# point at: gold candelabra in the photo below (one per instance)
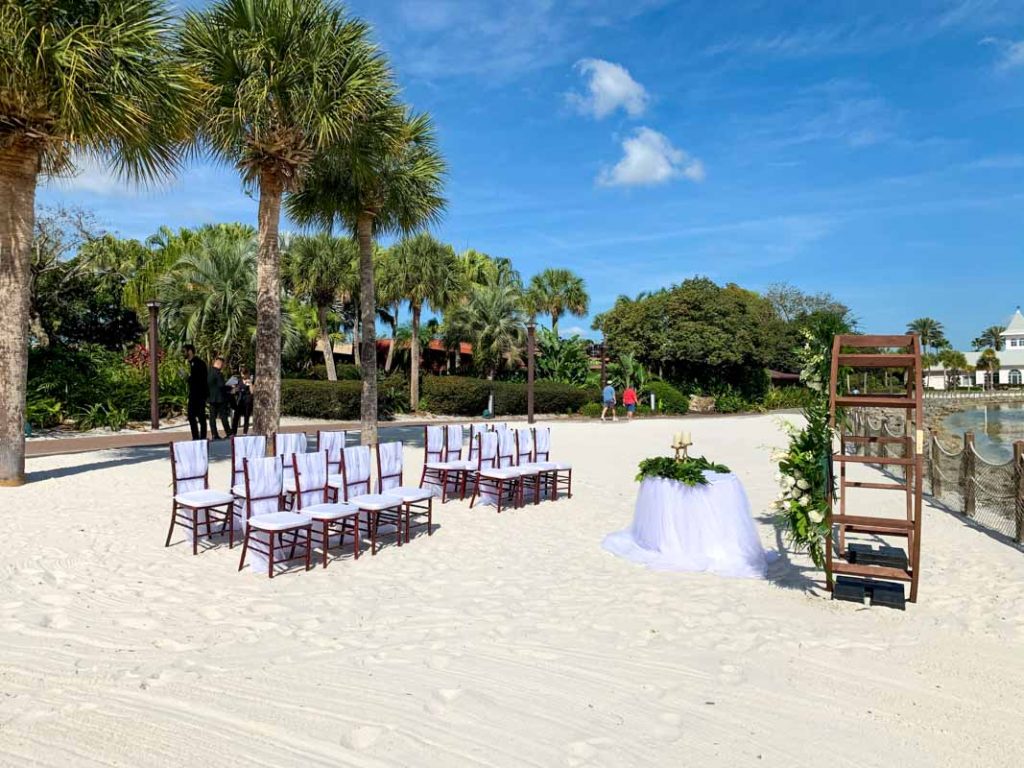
(681, 443)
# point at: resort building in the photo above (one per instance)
(1011, 362)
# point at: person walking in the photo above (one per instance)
(608, 396)
(629, 400)
(218, 399)
(198, 390)
(242, 391)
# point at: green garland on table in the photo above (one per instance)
(687, 471)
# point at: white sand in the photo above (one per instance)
(509, 640)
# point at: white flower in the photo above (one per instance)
(816, 515)
(802, 484)
(790, 482)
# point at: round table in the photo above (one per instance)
(700, 528)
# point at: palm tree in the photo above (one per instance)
(955, 364)
(423, 272)
(988, 361)
(493, 320)
(284, 79)
(990, 338)
(318, 267)
(930, 332)
(387, 179)
(557, 292)
(76, 79)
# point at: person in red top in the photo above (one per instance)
(629, 400)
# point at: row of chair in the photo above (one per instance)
(296, 499)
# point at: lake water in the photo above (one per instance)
(995, 428)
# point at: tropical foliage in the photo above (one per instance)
(557, 292)
(689, 471)
(930, 331)
(563, 360)
(990, 338)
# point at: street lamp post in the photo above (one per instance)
(531, 345)
(154, 372)
(604, 370)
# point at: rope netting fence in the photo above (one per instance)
(960, 480)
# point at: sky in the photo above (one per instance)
(874, 150)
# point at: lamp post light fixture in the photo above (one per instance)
(154, 371)
(531, 346)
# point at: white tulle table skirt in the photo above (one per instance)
(703, 528)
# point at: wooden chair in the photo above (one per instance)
(264, 498)
(560, 472)
(243, 447)
(354, 488)
(285, 445)
(312, 499)
(488, 478)
(191, 494)
(419, 502)
(333, 443)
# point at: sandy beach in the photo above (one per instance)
(509, 640)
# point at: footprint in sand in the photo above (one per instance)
(362, 737)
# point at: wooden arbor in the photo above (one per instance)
(878, 567)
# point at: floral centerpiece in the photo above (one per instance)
(689, 471)
(805, 468)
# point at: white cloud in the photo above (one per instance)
(1011, 52)
(609, 87)
(96, 178)
(648, 159)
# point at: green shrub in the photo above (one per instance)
(336, 400)
(345, 371)
(787, 397)
(667, 398)
(734, 402)
(464, 396)
(103, 415)
(591, 410)
(454, 395)
(548, 397)
(42, 411)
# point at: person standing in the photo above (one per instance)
(608, 396)
(243, 400)
(218, 399)
(198, 390)
(629, 400)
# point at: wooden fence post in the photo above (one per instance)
(967, 474)
(1018, 477)
(934, 478)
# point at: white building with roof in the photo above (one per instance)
(1011, 361)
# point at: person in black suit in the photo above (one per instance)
(198, 390)
(218, 399)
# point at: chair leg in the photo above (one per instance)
(430, 516)
(374, 520)
(245, 548)
(476, 489)
(309, 547)
(231, 525)
(355, 545)
(270, 565)
(326, 540)
(174, 516)
(569, 487)
(501, 493)
(195, 531)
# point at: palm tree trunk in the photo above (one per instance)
(390, 361)
(554, 323)
(355, 343)
(267, 385)
(18, 173)
(368, 343)
(414, 358)
(325, 339)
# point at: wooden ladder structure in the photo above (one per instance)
(868, 352)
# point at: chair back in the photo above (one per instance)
(264, 485)
(331, 443)
(433, 444)
(285, 444)
(311, 471)
(245, 447)
(542, 443)
(499, 427)
(506, 447)
(453, 442)
(475, 430)
(487, 450)
(355, 471)
(389, 466)
(524, 446)
(190, 466)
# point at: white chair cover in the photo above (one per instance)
(265, 477)
(245, 447)
(285, 444)
(357, 471)
(434, 448)
(474, 431)
(390, 457)
(332, 443)
(453, 442)
(311, 478)
(488, 443)
(542, 443)
(191, 463)
(524, 446)
(506, 448)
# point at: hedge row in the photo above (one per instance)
(338, 400)
(463, 396)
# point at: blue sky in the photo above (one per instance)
(874, 150)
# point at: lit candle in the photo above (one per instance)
(686, 439)
(677, 439)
